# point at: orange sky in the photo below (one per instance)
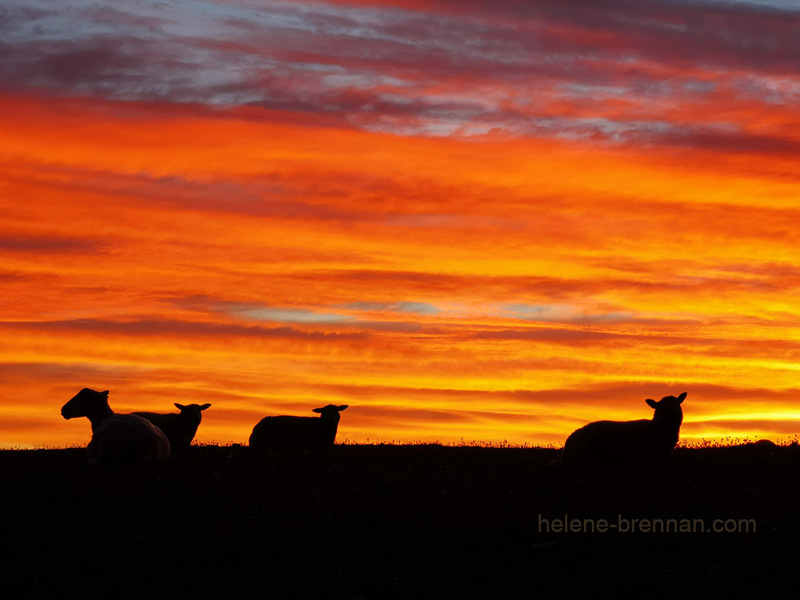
(504, 274)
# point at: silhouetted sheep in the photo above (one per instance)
(298, 432)
(758, 450)
(766, 445)
(628, 441)
(180, 428)
(116, 439)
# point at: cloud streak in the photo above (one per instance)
(562, 70)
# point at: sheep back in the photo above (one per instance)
(291, 432)
(124, 440)
(616, 441)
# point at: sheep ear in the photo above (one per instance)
(316, 410)
(682, 397)
(652, 403)
(104, 394)
(179, 406)
(204, 406)
(342, 407)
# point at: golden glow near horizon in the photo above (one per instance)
(456, 256)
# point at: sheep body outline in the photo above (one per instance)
(628, 441)
(117, 439)
(284, 431)
(180, 428)
(124, 440)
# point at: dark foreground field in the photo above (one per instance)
(399, 522)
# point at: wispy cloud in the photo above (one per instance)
(562, 70)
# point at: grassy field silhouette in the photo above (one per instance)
(398, 521)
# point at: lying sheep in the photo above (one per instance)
(298, 432)
(758, 450)
(628, 441)
(180, 428)
(116, 439)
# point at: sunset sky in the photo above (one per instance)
(467, 220)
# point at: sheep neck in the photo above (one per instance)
(99, 415)
(668, 421)
(668, 426)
